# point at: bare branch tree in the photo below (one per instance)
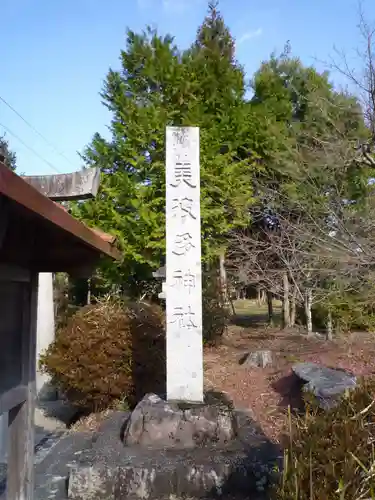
(320, 241)
(363, 79)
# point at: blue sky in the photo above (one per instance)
(56, 54)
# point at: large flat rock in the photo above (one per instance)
(327, 384)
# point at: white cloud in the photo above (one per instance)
(249, 35)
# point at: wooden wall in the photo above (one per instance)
(18, 309)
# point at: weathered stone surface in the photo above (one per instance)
(111, 430)
(257, 359)
(98, 466)
(244, 466)
(75, 186)
(53, 462)
(157, 423)
(92, 481)
(327, 384)
(54, 457)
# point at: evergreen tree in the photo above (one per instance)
(311, 185)
(232, 136)
(159, 86)
(9, 157)
(309, 116)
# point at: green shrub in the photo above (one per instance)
(330, 454)
(349, 312)
(215, 314)
(64, 308)
(98, 355)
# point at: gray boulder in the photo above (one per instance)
(327, 384)
(157, 423)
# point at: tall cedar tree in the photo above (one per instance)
(228, 159)
(158, 86)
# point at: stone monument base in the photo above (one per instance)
(160, 424)
(164, 450)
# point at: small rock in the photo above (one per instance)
(257, 359)
(327, 384)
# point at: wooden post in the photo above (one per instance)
(20, 482)
(329, 325)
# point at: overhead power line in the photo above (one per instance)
(47, 141)
(29, 148)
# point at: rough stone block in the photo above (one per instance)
(92, 482)
(157, 423)
(243, 466)
(327, 384)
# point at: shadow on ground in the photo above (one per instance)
(58, 414)
(254, 320)
(289, 387)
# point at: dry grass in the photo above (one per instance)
(91, 422)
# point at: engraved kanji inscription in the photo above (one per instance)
(182, 207)
(182, 172)
(184, 279)
(182, 244)
(181, 137)
(184, 317)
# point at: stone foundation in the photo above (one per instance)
(229, 455)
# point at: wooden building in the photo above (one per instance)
(36, 235)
